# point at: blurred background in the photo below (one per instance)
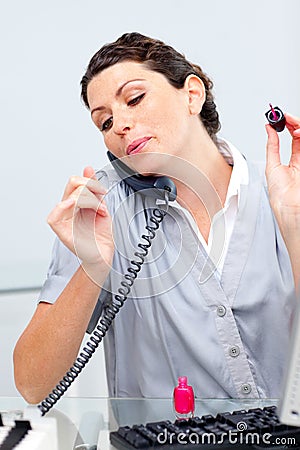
(249, 49)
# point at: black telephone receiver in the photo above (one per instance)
(156, 187)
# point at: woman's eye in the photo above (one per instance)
(107, 124)
(135, 100)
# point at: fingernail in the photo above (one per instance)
(103, 209)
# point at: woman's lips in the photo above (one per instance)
(137, 145)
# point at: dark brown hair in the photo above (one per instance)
(159, 57)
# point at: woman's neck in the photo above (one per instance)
(202, 183)
(204, 175)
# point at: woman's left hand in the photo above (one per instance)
(284, 188)
(284, 181)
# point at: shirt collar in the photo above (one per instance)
(240, 174)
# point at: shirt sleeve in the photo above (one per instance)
(62, 267)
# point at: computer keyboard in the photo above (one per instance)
(257, 428)
(23, 434)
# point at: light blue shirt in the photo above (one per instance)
(228, 334)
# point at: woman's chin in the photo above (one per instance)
(149, 164)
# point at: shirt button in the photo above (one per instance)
(246, 388)
(234, 351)
(221, 310)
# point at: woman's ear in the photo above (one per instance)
(195, 90)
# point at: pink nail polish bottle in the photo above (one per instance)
(183, 399)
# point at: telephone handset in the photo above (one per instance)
(157, 187)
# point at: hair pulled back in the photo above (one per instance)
(159, 57)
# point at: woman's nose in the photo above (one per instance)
(122, 123)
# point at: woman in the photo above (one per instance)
(213, 299)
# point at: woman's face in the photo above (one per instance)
(140, 114)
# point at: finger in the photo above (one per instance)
(85, 199)
(292, 121)
(81, 198)
(292, 124)
(62, 211)
(273, 156)
(89, 172)
(92, 184)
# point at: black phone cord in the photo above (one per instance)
(109, 314)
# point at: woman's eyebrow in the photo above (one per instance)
(118, 93)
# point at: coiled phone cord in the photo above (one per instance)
(109, 313)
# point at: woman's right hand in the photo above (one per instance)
(82, 222)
